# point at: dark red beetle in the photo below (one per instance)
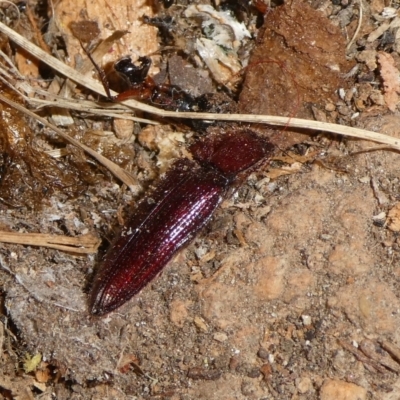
(170, 216)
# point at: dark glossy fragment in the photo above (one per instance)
(180, 206)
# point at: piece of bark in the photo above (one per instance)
(298, 62)
(117, 15)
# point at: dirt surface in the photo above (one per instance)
(293, 289)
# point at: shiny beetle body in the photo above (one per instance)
(175, 211)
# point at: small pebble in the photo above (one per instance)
(365, 179)
(200, 323)
(330, 107)
(306, 320)
(304, 385)
(262, 353)
(220, 336)
(334, 389)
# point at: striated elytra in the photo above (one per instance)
(179, 206)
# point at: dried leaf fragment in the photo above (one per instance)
(390, 77)
(223, 37)
(220, 25)
(85, 31)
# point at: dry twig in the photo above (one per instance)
(85, 244)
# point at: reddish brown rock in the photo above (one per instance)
(300, 53)
(333, 389)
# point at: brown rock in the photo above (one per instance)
(304, 385)
(339, 390)
(301, 53)
(266, 370)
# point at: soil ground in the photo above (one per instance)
(292, 291)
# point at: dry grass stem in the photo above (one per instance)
(112, 110)
(360, 18)
(116, 170)
(85, 244)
